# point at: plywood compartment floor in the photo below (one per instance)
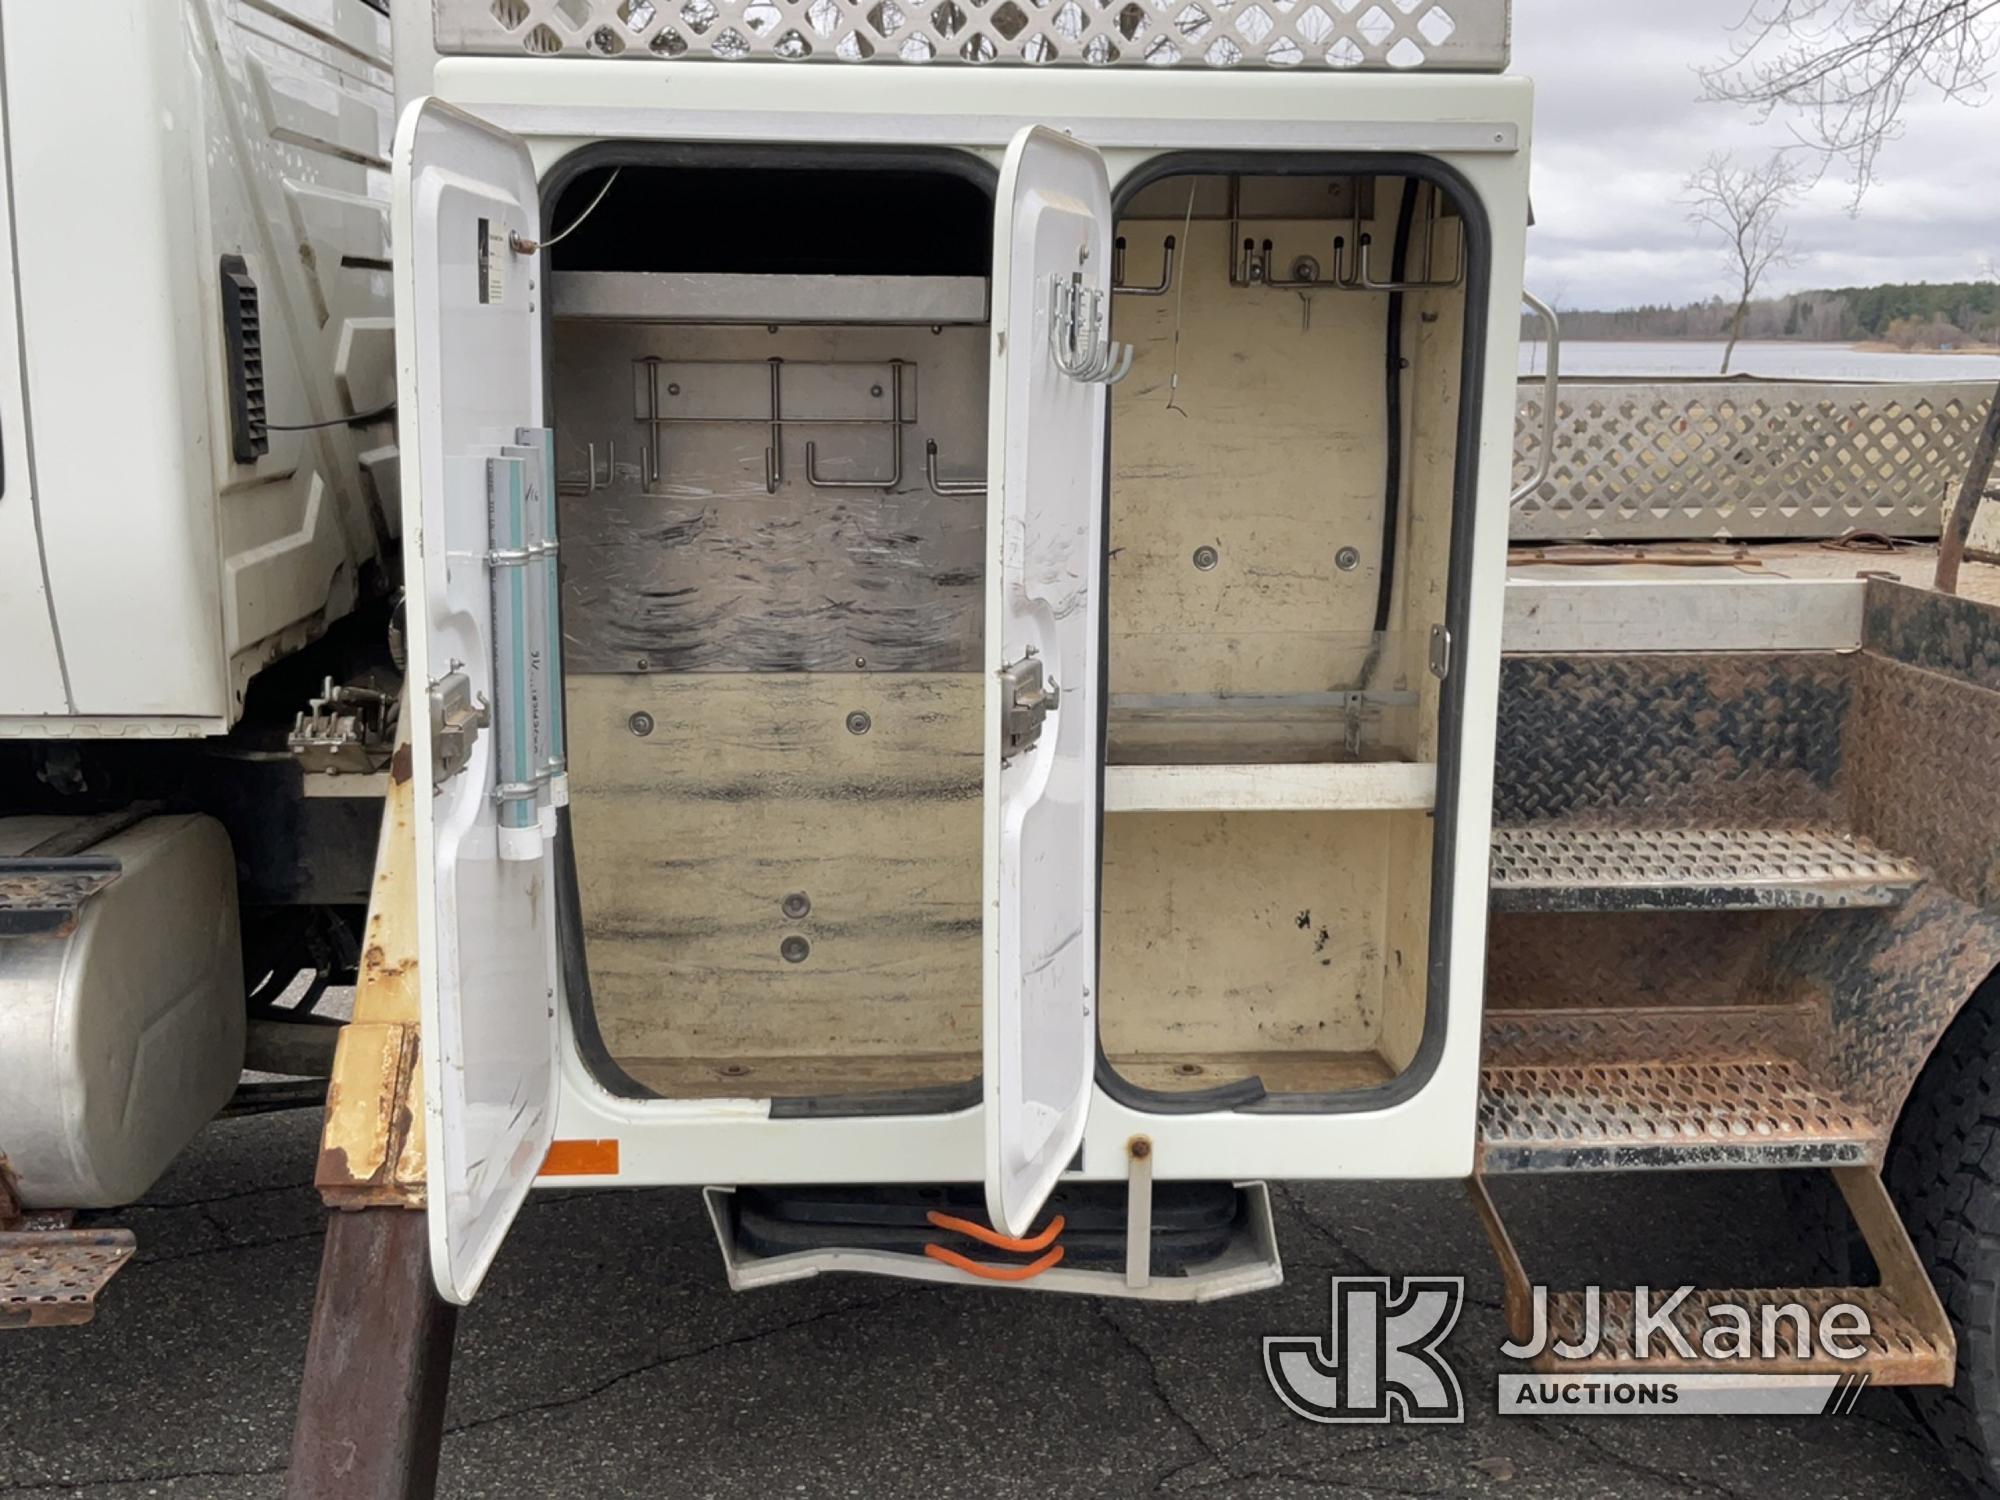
(1252, 944)
(1280, 1072)
(749, 788)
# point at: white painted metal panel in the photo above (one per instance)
(118, 390)
(33, 681)
(1729, 613)
(207, 128)
(469, 378)
(1045, 518)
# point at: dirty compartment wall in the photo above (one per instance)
(775, 708)
(1288, 946)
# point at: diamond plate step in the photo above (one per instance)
(1541, 868)
(51, 1277)
(1695, 1087)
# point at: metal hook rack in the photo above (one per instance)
(1433, 212)
(897, 421)
(946, 487)
(1158, 288)
(1080, 333)
(651, 461)
(590, 484)
(1250, 262)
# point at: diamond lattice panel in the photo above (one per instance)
(1638, 461)
(1458, 35)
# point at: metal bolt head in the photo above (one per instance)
(1206, 558)
(640, 723)
(874, 390)
(1347, 559)
(793, 950)
(673, 387)
(858, 722)
(1305, 268)
(796, 905)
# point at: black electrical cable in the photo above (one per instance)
(356, 420)
(1392, 479)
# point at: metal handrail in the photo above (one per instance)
(1549, 392)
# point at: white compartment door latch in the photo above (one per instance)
(1027, 696)
(456, 719)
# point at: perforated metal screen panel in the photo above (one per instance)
(1454, 35)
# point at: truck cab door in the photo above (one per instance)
(1045, 531)
(484, 672)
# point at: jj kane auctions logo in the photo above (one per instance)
(1382, 1359)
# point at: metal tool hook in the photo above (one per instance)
(947, 487)
(1159, 288)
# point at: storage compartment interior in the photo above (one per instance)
(769, 387)
(1282, 484)
(772, 619)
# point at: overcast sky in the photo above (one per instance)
(1618, 126)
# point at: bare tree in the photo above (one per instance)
(1746, 207)
(1845, 70)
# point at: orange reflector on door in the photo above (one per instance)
(581, 1159)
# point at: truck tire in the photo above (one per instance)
(1944, 1174)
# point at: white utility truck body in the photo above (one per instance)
(948, 685)
(512, 1062)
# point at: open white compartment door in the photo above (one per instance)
(478, 563)
(1044, 525)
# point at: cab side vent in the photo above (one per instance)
(243, 341)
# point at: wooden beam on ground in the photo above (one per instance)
(371, 1404)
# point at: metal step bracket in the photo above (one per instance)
(1909, 1340)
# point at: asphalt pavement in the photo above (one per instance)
(606, 1357)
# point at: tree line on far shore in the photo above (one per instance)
(1910, 315)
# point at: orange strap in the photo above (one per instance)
(993, 1237)
(1032, 1269)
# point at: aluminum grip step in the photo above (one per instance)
(1690, 1087)
(1540, 868)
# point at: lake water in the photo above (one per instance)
(1772, 360)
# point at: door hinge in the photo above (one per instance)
(456, 719)
(1440, 652)
(1026, 698)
